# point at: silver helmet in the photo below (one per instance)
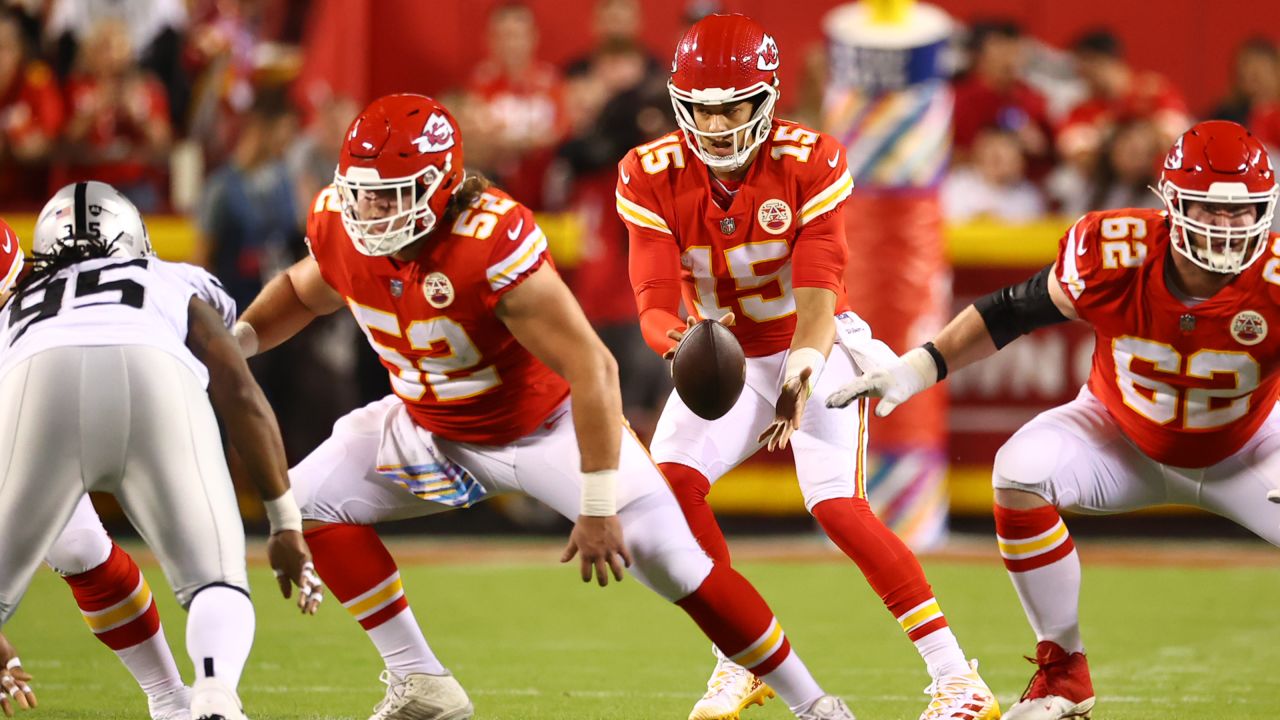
(91, 212)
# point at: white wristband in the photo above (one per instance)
(283, 513)
(247, 338)
(801, 358)
(599, 493)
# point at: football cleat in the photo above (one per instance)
(172, 705)
(963, 696)
(1060, 689)
(731, 689)
(827, 707)
(211, 699)
(418, 696)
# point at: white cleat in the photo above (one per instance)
(211, 699)
(827, 707)
(964, 696)
(172, 705)
(418, 696)
(731, 689)
(1051, 707)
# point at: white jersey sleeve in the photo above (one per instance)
(206, 285)
(110, 301)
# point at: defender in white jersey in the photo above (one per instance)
(105, 356)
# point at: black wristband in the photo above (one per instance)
(939, 361)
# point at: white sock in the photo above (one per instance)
(151, 664)
(942, 654)
(403, 648)
(794, 684)
(1050, 596)
(220, 626)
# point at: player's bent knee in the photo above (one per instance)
(665, 556)
(79, 550)
(1029, 461)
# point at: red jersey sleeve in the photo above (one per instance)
(518, 247)
(820, 252)
(1099, 252)
(653, 255)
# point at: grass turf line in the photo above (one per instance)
(530, 641)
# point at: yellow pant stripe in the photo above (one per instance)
(379, 597)
(762, 649)
(921, 615)
(1017, 549)
(121, 613)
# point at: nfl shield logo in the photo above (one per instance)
(1187, 323)
(728, 225)
(397, 288)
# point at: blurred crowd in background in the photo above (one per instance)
(188, 106)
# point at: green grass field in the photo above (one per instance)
(529, 640)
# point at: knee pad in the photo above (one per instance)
(79, 550)
(1031, 459)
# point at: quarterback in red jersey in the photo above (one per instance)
(452, 284)
(1180, 406)
(741, 213)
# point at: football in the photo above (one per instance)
(709, 369)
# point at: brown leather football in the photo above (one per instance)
(709, 369)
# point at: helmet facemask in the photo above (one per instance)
(411, 217)
(745, 137)
(1237, 247)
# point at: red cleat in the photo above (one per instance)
(1060, 689)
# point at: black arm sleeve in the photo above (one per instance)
(1018, 309)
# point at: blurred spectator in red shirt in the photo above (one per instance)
(119, 129)
(512, 113)
(993, 94)
(31, 116)
(156, 31)
(994, 184)
(1117, 94)
(624, 103)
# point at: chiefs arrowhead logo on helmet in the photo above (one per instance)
(1173, 161)
(767, 55)
(437, 135)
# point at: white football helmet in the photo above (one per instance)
(91, 212)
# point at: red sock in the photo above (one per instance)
(887, 563)
(690, 488)
(734, 616)
(116, 601)
(355, 565)
(1031, 539)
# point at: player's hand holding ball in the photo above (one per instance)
(893, 383)
(15, 687)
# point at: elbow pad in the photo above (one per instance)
(1018, 309)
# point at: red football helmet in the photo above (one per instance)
(409, 144)
(10, 258)
(725, 59)
(1219, 162)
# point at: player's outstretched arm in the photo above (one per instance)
(287, 304)
(251, 427)
(545, 318)
(15, 683)
(977, 332)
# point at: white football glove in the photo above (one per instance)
(893, 382)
